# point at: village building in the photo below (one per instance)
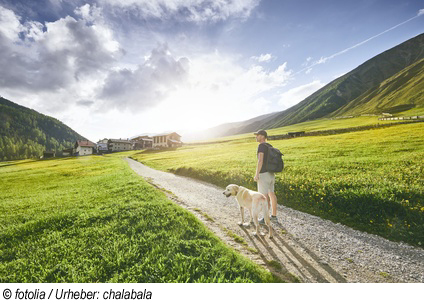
(296, 134)
(67, 152)
(143, 142)
(167, 140)
(48, 154)
(83, 148)
(119, 145)
(102, 146)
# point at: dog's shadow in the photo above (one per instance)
(254, 239)
(287, 250)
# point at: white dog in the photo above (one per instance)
(253, 201)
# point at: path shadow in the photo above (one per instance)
(337, 276)
(286, 249)
(312, 270)
(283, 270)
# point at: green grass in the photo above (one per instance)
(370, 180)
(237, 238)
(309, 126)
(385, 274)
(92, 219)
(402, 92)
(208, 218)
(274, 264)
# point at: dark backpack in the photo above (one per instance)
(275, 163)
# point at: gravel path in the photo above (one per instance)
(305, 247)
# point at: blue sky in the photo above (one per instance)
(110, 68)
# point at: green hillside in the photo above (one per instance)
(353, 84)
(25, 133)
(401, 92)
(390, 81)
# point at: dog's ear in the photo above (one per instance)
(235, 188)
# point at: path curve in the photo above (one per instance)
(308, 247)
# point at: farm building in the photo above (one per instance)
(48, 154)
(143, 142)
(119, 145)
(167, 140)
(102, 146)
(83, 148)
(296, 134)
(67, 152)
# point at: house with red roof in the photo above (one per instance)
(83, 148)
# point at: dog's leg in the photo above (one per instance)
(267, 220)
(242, 216)
(251, 217)
(255, 212)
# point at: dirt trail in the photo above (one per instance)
(305, 247)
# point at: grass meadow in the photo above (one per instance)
(369, 180)
(92, 219)
(309, 126)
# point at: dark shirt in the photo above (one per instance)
(263, 148)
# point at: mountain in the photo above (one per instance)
(25, 133)
(233, 128)
(401, 92)
(389, 82)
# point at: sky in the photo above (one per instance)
(121, 68)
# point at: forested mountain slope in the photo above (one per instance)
(25, 133)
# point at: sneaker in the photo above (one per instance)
(262, 221)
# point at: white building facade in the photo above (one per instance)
(167, 140)
(84, 148)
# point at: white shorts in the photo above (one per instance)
(266, 183)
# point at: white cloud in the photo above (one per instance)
(147, 85)
(298, 94)
(71, 67)
(421, 12)
(51, 62)
(187, 10)
(263, 58)
(261, 105)
(89, 12)
(10, 24)
(219, 90)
